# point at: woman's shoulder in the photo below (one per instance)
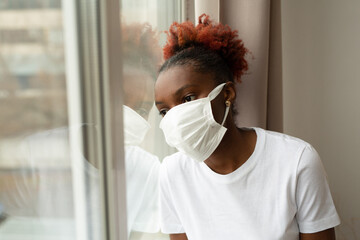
(287, 152)
(284, 147)
(178, 162)
(281, 139)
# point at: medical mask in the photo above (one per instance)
(191, 128)
(135, 127)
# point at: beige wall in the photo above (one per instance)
(321, 93)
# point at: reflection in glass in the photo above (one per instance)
(141, 56)
(141, 26)
(37, 183)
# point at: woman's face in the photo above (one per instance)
(181, 84)
(138, 91)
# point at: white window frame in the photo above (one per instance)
(92, 37)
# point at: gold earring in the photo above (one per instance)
(227, 103)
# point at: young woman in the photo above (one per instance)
(228, 182)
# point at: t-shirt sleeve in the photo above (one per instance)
(169, 220)
(315, 207)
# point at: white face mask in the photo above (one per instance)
(191, 128)
(135, 127)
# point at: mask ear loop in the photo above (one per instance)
(227, 103)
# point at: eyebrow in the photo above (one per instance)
(178, 92)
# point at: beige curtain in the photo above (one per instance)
(259, 100)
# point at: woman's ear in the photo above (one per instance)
(230, 92)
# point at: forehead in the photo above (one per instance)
(175, 78)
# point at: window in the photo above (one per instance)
(57, 137)
(142, 29)
(29, 4)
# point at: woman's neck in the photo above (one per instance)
(235, 148)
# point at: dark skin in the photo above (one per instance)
(181, 84)
(178, 85)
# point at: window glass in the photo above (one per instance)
(44, 192)
(37, 199)
(143, 24)
(29, 4)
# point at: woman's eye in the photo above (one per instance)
(189, 98)
(163, 112)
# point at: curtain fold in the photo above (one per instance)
(275, 81)
(259, 96)
(251, 19)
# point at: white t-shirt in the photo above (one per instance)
(142, 172)
(280, 190)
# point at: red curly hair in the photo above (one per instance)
(213, 36)
(140, 47)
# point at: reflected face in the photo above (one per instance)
(181, 84)
(138, 92)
